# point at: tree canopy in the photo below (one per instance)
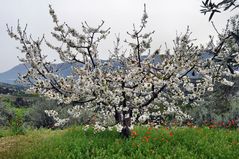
(131, 86)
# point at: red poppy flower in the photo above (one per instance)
(171, 134)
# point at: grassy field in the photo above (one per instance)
(144, 143)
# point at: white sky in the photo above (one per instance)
(165, 17)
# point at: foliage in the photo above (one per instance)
(14, 116)
(147, 143)
(20, 102)
(220, 106)
(205, 118)
(5, 115)
(234, 23)
(222, 5)
(17, 123)
(36, 116)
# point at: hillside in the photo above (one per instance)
(6, 88)
(11, 76)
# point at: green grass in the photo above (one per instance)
(4, 131)
(145, 143)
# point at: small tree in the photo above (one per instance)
(220, 101)
(129, 84)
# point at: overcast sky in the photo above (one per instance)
(165, 17)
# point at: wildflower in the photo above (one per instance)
(146, 138)
(148, 132)
(134, 134)
(171, 134)
(155, 139)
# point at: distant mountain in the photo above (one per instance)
(11, 75)
(65, 69)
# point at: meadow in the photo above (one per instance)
(20, 139)
(145, 142)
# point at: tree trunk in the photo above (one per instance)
(126, 122)
(125, 132)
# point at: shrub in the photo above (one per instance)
(36, 116)
(209, 115)
(20, 102)
(5, 115)
(17, 127)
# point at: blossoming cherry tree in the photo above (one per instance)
(131, 86)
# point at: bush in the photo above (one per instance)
(37, 117)
(17, 123)
(209, 115)
(20, 102)
(5, 115)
